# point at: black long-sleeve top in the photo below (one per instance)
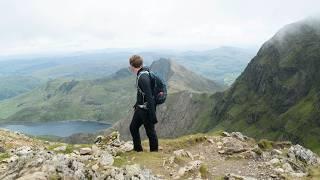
(144, 83)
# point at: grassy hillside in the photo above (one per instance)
(62, 99)
(11, 86)
(106, 99)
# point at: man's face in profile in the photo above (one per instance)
(130, 69)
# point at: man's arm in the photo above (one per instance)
(145, 85)
(136, 103)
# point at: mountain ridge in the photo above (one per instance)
(276, 96)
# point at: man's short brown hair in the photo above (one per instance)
(136, 61)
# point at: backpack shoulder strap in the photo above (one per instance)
(137, 85)
(142, 72)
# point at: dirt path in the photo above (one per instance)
(218, 157)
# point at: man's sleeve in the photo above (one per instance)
(145, 85)
(136, 103)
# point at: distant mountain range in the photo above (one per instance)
(222, 65)
(105, 99)
(96, 64)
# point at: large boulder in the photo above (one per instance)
(23, 151)
(85, 151)
(232, 145)
(106, 159)
(297, 152)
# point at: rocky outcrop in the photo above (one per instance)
(95, 162)
(297, 152)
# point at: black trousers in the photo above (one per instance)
(141, 117)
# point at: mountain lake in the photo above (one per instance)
(57, 128)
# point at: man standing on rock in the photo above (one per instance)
(145, 106)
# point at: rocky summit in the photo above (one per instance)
(219, 155)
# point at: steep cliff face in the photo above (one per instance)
(277, 96)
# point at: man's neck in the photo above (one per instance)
(138, 70)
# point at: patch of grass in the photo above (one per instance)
(217, 132)
(218, 177)
(84, 145)
(51, 147)
(69, 148)
(182, 142)
(151, 160)
(204, 171)
(234, 157)
(257, 151)
(119, 161)
(54, 177)
(4, 156)
(46, 137)
(265, 144)
(314, 173)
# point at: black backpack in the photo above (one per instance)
(158, 87)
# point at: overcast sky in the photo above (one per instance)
(37, 26)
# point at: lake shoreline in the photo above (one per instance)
(56, 128)
(71, 120)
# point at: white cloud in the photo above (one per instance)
(50, 25)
